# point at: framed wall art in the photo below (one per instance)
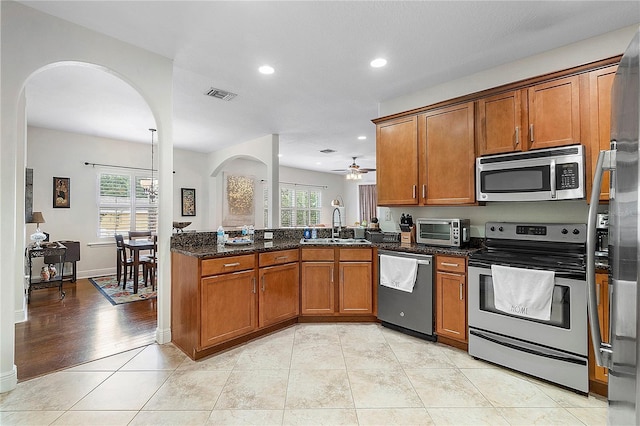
(61, 192)
(238, 202)
(188, 201)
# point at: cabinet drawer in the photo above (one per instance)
(278, 257)
(318, 254)
(227, 264)
(362, 254)
(451, 264)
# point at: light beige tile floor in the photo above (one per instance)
(308, 374)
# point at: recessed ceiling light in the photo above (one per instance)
(266, 69)
(378, 62)
(318, 163)
(362, 138)
(279, 155)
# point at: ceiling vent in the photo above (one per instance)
(221, 94)
(328, 151)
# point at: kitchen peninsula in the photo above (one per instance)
(224, 296)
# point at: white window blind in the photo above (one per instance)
(299, 206)
(121, 209)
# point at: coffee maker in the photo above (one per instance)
(602, 238)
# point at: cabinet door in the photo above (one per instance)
(228, 307)
(554, 113)
(600, 84)
(356, 288)
(602, 292)
(451, 319)
(397, 162)
(317, 288)
(279, 293)
(450, 156)
(501, 125)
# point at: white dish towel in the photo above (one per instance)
(523, 292)
(398, 272)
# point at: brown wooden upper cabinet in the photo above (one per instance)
(501, 123)
(447, 155)
(600, 84)
(397, 162)
(554, 113)
(541, 116)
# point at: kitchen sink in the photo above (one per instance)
(334, 241)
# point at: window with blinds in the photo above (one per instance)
(123, 205)
(299, 206)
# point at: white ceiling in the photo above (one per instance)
(323, 93)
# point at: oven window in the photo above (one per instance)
(560, 304)
(525, 179)
(434, 231)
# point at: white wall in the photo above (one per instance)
(32, 41)
(601, 47)
(55, 153)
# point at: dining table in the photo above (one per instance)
(135, 246)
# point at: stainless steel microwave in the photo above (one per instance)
(442, 232)
(544, 174)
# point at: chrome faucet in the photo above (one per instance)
(334, 232)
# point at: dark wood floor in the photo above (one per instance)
(82, 327)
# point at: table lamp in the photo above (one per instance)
(38, 236)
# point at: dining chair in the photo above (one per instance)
(150, 265)
(122, 261)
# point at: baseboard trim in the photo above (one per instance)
(9, 380)
(163, 335)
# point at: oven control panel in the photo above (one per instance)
(561, 232)
(531, 230)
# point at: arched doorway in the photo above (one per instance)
(79, 113)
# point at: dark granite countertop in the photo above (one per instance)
(212, 250)
(203, 246)
(424, 249)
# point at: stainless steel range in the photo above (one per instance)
(551, 347)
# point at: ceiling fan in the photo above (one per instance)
(354, 168)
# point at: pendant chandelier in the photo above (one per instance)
(150, 186)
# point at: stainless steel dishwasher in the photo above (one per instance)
(411, 313)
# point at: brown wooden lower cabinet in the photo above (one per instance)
(599, 376)
(222, 301)
(318, 295)
(355, 288)
(451, 297)
(279, 297)
(228, 306)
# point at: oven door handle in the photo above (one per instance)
(602, 351)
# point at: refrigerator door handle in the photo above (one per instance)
(602, 351)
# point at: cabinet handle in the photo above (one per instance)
(415, 187)
(281, 257)
(332, 275)
(228, 265)
(424, 191)
(342, 276)
(254, 284)
(598, 294)
(461, 288)
(517, 135)
(531, 133)
(263, 283)
(455, 265)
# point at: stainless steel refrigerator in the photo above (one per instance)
(620, 356)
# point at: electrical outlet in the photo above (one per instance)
(387, 216)
(268, 235)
